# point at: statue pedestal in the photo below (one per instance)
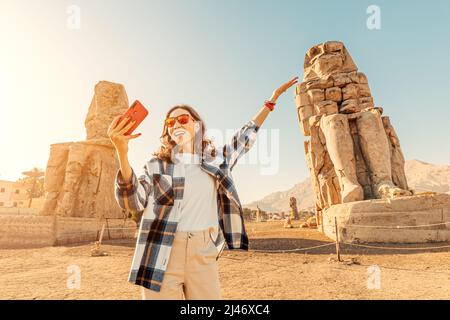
(412, 219)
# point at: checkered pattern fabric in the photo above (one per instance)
(158, 191)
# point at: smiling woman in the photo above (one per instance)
(182, 127)
(191, 208)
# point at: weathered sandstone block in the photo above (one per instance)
(79, 178)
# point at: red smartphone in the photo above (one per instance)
(136, 112)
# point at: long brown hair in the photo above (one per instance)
(167, 144)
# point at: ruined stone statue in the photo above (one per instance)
(293, 206)
(258, 214)
(80, 174)
(353, 152)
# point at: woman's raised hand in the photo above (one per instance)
(278, 92)
(116, 133)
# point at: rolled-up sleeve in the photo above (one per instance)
(240, 143)
(133, 195)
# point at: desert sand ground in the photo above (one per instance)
(43, 273)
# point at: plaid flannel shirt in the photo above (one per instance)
(158, 191)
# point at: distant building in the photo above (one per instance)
(10, 194)
(13, 194)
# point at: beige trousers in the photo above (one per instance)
(192, 272)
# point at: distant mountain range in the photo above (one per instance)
(421, 177)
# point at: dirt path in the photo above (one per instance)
(44, 273)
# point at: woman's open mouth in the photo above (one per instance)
(178, 132)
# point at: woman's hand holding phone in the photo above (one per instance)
(116, 133)
(121, 129)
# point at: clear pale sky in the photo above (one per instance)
(222, 57)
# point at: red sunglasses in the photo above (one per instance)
(182, 119)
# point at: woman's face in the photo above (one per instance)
(182, 133)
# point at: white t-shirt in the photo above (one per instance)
(199, 203)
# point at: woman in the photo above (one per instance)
(191, 207)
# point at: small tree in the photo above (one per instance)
(34, 180)
(247, 213)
